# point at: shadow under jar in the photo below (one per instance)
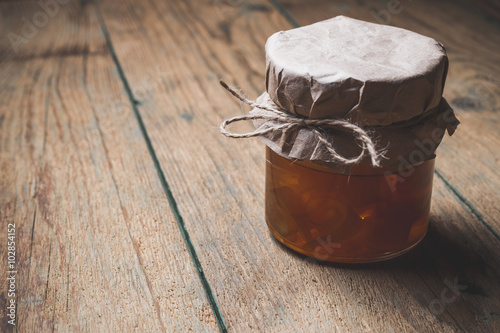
(369, 215)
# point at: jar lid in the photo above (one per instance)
(366, 73)
(342, 92)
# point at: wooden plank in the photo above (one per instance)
(48, 29)
(98, 248)
(218, 184)
(470, 159)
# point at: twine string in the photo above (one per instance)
(284, 121)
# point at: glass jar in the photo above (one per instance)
(367, 215)
(352, 116)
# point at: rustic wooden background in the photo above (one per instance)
(132, 212)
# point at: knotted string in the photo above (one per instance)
(286, 121)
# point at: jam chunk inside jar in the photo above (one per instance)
(366, 215)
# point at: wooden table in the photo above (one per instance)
(133, 213)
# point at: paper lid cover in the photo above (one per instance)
(369, 74)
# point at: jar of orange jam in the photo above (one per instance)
(364, 216)
(352, 116)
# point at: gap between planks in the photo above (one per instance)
(166, 187)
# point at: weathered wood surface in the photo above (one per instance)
(218, 186)
(99, 246)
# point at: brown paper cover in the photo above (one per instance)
(379, 77)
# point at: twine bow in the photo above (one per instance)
(286, 121)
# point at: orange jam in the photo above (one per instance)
(370, 214)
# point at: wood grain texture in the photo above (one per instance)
(218, 184)
(98, 248)
(470, 160)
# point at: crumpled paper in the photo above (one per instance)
(375, 76)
